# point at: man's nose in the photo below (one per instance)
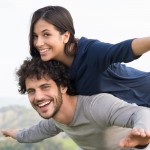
(39, 95)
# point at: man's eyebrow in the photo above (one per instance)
(45, 84)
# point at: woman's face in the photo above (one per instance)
(49, 41)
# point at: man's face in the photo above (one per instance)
(44, 95)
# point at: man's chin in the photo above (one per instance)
(45, 116)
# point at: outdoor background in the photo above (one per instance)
(109, 21)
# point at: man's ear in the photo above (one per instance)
(66, 37)
(63, 89)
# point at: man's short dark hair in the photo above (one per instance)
(35, 67)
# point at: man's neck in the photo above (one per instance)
(67, 110)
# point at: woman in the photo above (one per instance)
(95, 66)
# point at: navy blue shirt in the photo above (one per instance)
(97, 68)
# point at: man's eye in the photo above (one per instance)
(46, 87)
(30, 92)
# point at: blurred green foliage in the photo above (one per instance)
(13, 117)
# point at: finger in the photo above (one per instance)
(5, 133)
(124, 142)
(147, 132)
(135, 131)
(141, 132)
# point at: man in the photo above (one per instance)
(86, 119)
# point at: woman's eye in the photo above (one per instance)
(34, 36)
(46, 34)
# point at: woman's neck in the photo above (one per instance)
(67, 61)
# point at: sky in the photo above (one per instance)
(108, 21)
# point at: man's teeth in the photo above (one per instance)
(43, 104)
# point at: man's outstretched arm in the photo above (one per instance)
(137, 137)
(43, 130)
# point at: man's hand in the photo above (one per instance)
(136, 137)
(9, 133)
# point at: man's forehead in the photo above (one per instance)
(36, 77)
(34, 80)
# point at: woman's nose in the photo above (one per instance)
(39, 42)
